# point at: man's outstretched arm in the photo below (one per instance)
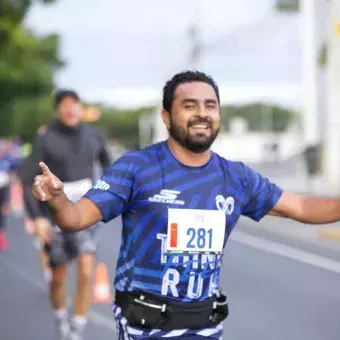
(67, 215)
(307, 209)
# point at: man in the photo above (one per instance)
(71, 148)
(179, 202)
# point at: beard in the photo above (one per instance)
(196, 143)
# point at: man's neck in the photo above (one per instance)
(187, 157)
(68, 129)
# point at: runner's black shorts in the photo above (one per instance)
(65, 246)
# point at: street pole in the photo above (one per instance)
(332, 138)
(195, 36)
(310, 93)
(194, 63)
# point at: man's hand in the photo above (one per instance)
(43, 229)
(46, 186)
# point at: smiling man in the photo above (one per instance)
(179, 202)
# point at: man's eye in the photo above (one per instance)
(188, 107)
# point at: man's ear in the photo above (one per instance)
(166, 118)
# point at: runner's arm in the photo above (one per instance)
(76, 216)
(307, 209)
(104, 155)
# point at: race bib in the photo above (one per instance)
(77, 189)
(195, 231)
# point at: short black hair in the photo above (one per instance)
(181, 78)
(60, 94)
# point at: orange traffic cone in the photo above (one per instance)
(101, 288)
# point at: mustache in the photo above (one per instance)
(198, 121)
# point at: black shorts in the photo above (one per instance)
(65, 247)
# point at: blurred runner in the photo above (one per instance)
(9, 161)
(71, 148)
(4, 190)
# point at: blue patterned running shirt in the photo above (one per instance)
(143, 185)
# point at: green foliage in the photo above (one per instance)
(122, 125)
(260, 117)
(29, 114)
(287, 5)
(16, 10)
(27, 65)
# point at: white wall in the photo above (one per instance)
(242, 145)
(251, 146)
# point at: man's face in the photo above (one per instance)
(194, 121)
(70, 111)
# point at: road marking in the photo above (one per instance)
(95, 317)
(333, 234)
(286, 251)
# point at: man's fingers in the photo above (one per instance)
(40, 193)
(46, 185)
(47, 172)
(55, 185)
(38, 179)
(45, 169)
(38, 183)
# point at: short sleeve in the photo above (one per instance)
(112, 192)
(260, 195)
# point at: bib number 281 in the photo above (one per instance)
(194, 230)
(199, 238)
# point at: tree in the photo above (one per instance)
(287, 5)
(260, 117)
(122, 125)
(27, 66)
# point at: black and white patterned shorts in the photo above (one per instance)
(65, 247)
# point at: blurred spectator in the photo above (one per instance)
(10, 158)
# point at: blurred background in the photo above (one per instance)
(274, 60)
(277, 63)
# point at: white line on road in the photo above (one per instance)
(96, 317)
(286, 251)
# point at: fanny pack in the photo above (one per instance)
(148, 311)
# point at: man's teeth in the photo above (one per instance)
(200, 126)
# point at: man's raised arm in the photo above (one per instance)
(67, 215)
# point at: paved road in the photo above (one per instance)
(275, 292)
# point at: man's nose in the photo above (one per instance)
(202, 111)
